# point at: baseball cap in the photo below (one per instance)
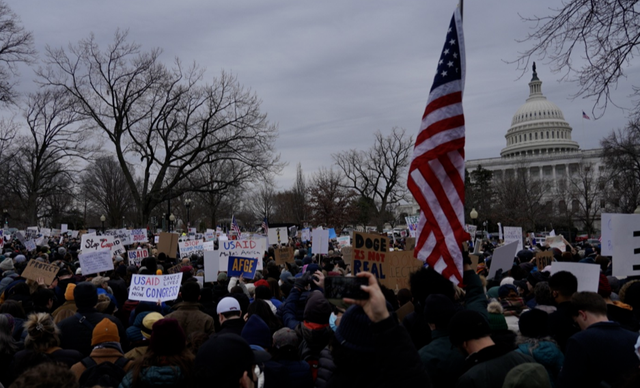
(285, 337)
(228, 304)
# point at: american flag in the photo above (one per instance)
(584, 116)
(234, 226)
(436, 175)
(265, 226)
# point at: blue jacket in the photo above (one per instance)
(546, 353)
(156, 376)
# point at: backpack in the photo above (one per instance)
(106, 374)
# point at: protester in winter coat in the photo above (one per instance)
(106, 343)
(69, 304)
(602, 354)
(535, 342)
(188, 313)
(258, 336)
(46, 375)
(527, 375)
(486, 364)
(76, 331)
(8, 348)
(230, 316)
(167, 361)
(139, 348)
(285, 353)
(563, 285)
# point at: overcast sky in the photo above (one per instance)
(330, 73)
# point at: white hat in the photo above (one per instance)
(228, 304)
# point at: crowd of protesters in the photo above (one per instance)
(522, 328)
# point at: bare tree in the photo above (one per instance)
(331, 203)
(162, 119)
(590, 41)
(378, 174)
(585, 195)
(299, 197)
(260, 202)
(621, 154)
(44, 159)
(16, 47)
(105, 189)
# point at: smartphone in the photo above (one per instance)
(338, 287)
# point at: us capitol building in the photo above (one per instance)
(538, 142)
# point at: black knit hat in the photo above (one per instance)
(467, 325)
(167, 337)
(86, 295)
(256, 332)
(354, 331)
(533, 323)
(318, 309)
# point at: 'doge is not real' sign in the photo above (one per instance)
(369, 253)
(151, 288)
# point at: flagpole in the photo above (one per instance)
(461, 5)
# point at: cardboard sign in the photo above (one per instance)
(475, 259)
(543, 259)
(626, 239)
(397, 267)
(588, 275)
(135, 256)
(606, 245)
(320, 241)
(278, 235)
(347, 255)
(93, 262)
(37, 269)
(245, 266)
(241, 248)
(139, 236)
(168, 244)
(513, 233)
(410, 244)
(369, 253)
(503, 258)
(175, 269)
(153, 288)
(283, 255)
(191, 247)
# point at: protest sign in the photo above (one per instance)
(556, 242)
(175, 269)
(412, 224)
(241, 248)
(64, 228)
(153, 288)
(344, 241)
(20, 237)
(320, 241)
(191, 247)
(93, 262)
(410, 244)
(332, 233)
(588, 275)
(30, 245)
(305, 235)
(278, 235)
(500, 237)
(117, 246)
(93, 243)
(1, 238)
(121, 234)
(168, 244)
(135, 256)
(211, 265)
(283, 255)
(347, 255)
(503, 258)
(45, 232)
(543, 259)
(369, 252)
(245, 266)
(626, 256)
(606, 245)
(36, 269)
(397, 267)
(472, 231)
(475, 259)
(208, 246)
(74, 234)
(209, 235)
(31, 232)
(139, 236)
(513, 233)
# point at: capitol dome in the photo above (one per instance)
(538, 127)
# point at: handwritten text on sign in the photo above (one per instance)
(245, 266)
(95, 261)
(93, 243)
(136, 256)
(369, 253)
(151, 288)
(139, 236)
(189, 247)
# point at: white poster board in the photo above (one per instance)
(153, 288)
(135, 256)
(556, 242)
(278, 235)
(513, 233)
(64, 228)
(46, 232)
(588, 275)
(320, 241)
(344, 241)
(305, 235)
(503, 258)
(93, 262)
(626, 239)
(139, 236)
(93, 243)
(606, 245)
(211, 265)
(208, 246)
(240, 248)
(190, 247)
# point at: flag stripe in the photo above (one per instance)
(442, 102)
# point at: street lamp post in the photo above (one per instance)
(187, 204)
(172, 218)
(103, 219)
(474, 215)
(123, 224)
(164, 222)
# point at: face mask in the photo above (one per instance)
(332, 321)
